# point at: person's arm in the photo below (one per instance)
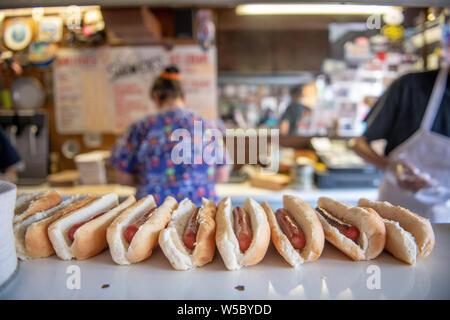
(381, 121)
(9, 158)
(284, 127)
(407, 175)
(125, 178)
(284, 122)
(10, 175)
(365, 151)
(222, 174)
(123, 157)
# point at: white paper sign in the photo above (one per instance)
(106, 89)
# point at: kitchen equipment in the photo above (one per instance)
(8, 258)
(27, 93)
(343, 168)
(28, 133)
(302, 174)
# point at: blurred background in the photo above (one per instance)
(74, 75)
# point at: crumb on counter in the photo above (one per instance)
(240, 288)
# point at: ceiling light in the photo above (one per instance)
(311, 9)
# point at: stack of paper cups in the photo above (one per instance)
(8, 258)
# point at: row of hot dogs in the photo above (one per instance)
(82, 227)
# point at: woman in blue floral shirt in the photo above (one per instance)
(143, 155)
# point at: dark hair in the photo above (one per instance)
(168, 85)
(296, 89)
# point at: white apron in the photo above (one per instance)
(430, 153)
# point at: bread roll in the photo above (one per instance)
(227, 242)
(372, 231)
(408, 235)
(307, 219)
(58, 231)
(146, 238)
(171, 238)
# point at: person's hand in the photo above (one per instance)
(10, 175)
(409, 177)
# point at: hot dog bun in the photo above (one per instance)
(37, 242)
(171, 242)
(308, 221)
(24, 200)
(146, 238)
(35, 203)
(58, 230)
(408, 235)
(90, 238)
(40, 246)
(372, 232)
(227, 242)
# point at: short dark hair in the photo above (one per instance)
(167, 85)
(297, 89)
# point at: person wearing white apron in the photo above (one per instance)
(425, 157)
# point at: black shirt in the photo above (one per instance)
(399, 112)
(293, 114)
(8, 155)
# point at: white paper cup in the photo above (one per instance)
(8, 258)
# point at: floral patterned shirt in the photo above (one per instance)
(145, 150)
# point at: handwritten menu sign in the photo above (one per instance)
(106, 89)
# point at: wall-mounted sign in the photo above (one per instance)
(106, 89)
(50, 29)
(18, 34)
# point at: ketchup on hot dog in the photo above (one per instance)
(190, 232)
(242, 228)
(75, 227)
(291, 229)
(131, 230)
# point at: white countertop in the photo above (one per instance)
(237, 191)
(240, 191)
(332, 276)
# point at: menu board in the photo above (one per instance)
(104, 90)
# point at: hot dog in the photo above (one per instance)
(29, 205)
(131, 230)
(346, 229)
(81, 234)
(291, 229)
(296, 231)
(190, 232)
(75, 227)
(30, 233)
(133, 235)
(188, 240)
(358, 232)
(408, 236)
(242, 235)
(242, 228)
